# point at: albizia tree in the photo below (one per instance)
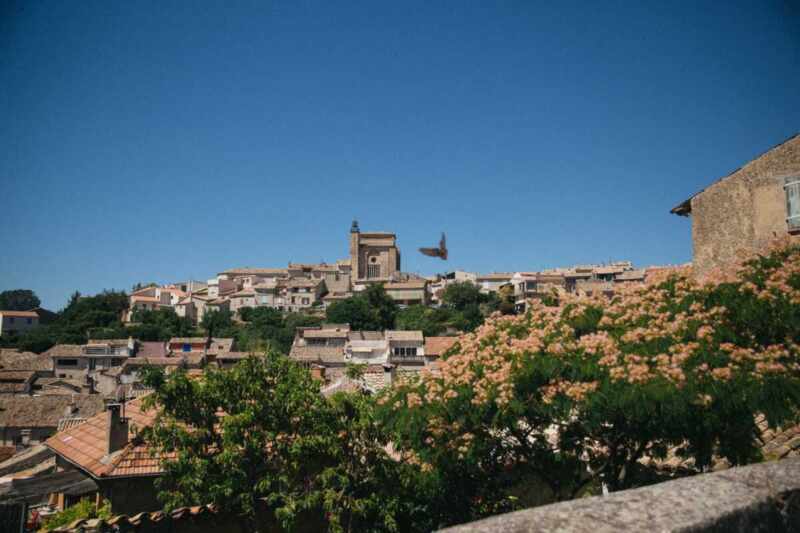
(567, 398)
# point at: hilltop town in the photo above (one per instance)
(70, 412)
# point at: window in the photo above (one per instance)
(305, 301)
(30, 321)
(92, 363)
(187, 348)
(405, 351)
(67, 362)
(373, 271)
(792, 189)
(11, 320)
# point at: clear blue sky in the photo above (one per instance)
(163, 141)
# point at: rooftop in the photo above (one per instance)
(393, 335)
(685, 207)
(45, 411)
(16, 360)
(255, 271)
(321, 354)
(436, 346)
(65, 350)
(19, 314)
(85, 445)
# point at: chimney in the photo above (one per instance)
(388, 374)
(71, 408)
(117, 435)
(318, 372)
(90, 384)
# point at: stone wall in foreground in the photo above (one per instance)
(757, 498)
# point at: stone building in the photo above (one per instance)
(746, 209)
(28, 420)
(374, 256)
(107, 448)
(406, 293)
(17, 321)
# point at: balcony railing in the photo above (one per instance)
(407, 358)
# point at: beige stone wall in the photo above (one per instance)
(373, 249)
(745, 211)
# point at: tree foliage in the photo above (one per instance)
(431, 321)
(83, 509)
(281, 454)
(595, 391)
(19, 300)
(218, 323)
(82, 317)
(372, 310)
(265, 328)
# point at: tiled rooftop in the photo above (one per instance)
(397, 335)
(85, 445)
(436, 346)
(20, 314)
(45, 411)
(321, 354)
(16, 360)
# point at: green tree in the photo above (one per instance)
(265, 327)
(218, 323)
(282, 453)
(382, 305)
(83, 509)
(587, 392)
(371, 309)
(462, 295)
(354, 311)
(430, 321)
(84, 315)
(19, 300)
(159, 325)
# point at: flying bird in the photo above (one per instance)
(440, 252)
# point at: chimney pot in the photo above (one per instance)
(117, 434)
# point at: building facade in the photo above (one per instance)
(374, 256)
(746, 210)
(17, 321)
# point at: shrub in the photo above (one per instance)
(83, 509)
(590, 391)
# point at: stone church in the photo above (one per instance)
(374, 256)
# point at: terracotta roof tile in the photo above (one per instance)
(436, 346)
(65, 350)
(45, 411)
(152, 349)
(398, 335)
(321, 354)
(20, 314)
(366, 336)
(16, 360)
(85, 445)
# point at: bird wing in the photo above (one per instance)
(432, 252)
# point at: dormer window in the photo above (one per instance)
(792, 189)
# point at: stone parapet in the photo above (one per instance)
(757, 498)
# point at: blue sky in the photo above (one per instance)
(165, 140)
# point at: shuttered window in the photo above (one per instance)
(373, 271)
(792, 188)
